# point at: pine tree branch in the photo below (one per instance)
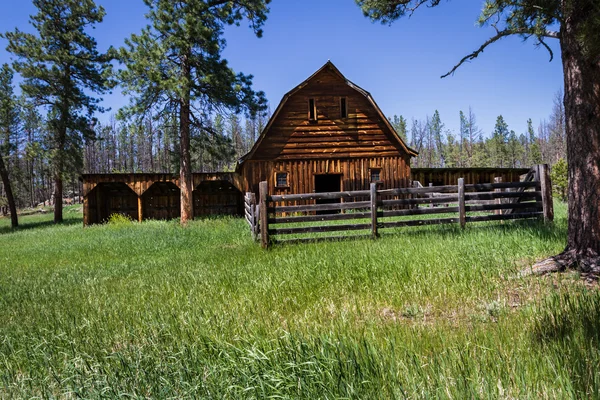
(501, 34)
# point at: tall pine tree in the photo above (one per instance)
(61, 69)
(176, 65)
(9, 121)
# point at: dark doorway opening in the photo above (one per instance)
(328, 183)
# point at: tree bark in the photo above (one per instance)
(185, 174)
(14, 219)
(582, 108)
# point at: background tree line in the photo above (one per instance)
(151, 144)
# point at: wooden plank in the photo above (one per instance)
(417, 211)
(508, 206)
(314, 229)
(461, 203)
(433, 189)
(503, 195)
(320, 207)
(500, 185)
(264, 224)
(312, 218)
(501, 217)
(319, 196)
(432, 200)
(374, 232)
(396, 224)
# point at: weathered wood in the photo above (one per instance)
(500, 217)
(500, 185)
(313, 218)
(397, 224)
(374, 232)
(433, 189)
(140, 208)
(461, 203)
(417, 211)
(546, 189)
(502, 195)
(516, 206)
(320, 207)
(320, 196)
(432, 200)
(322, 228)
(264, 225)
(498, 180)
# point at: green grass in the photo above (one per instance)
(156, 310)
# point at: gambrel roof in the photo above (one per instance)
(330, 67)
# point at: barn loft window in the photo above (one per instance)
(312, 110)
(375, 174)
(281, 179)
(343, 108)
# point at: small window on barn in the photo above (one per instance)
(343, 108)
(312, 110)
(375, 174)
(281, 179)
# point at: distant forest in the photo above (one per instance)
(151, 145)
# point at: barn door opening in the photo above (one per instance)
(326, 183)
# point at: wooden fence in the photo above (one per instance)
(274, 217)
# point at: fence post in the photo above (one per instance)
(374, 210)
(462, 217)
(546, 185)
(498, 179)
(264, 224)
(254, 213)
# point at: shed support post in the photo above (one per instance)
(374, 231)
(264, 224)
(543, 175)
(462, 217)
(140, 209)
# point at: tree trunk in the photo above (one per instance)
(58, 196)
(582, 107)
(185, 179)
(14, 219)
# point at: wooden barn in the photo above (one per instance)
(326, 135)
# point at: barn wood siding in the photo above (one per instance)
(449, 176)
(355, 172)
(362, 134)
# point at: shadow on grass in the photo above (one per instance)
(567, 331)
(28, 225)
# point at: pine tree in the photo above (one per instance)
(535, 155)
(399, 124)
(176, 63)
(61, 69)
(9, 115)
(498, 143)
(578, 23)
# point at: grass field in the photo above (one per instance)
(155, 310)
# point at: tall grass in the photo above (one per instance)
(155, 310)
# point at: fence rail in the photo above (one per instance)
(273, 217)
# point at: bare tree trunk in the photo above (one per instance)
(14, 219)
(185, 180)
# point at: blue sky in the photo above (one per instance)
(400, 65)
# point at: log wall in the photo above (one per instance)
(449, 176)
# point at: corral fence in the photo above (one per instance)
(289, 218)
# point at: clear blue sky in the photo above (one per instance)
(399, 65)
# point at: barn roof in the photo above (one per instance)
(328, 65)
